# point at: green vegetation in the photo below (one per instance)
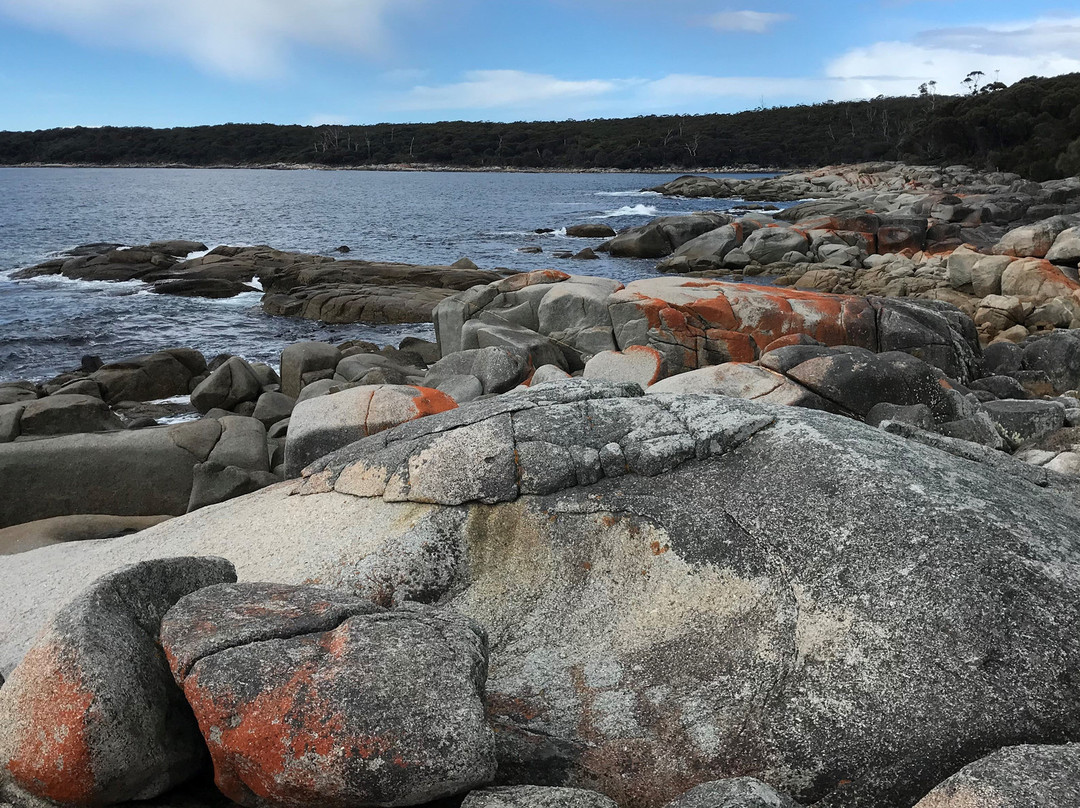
(1032, 128)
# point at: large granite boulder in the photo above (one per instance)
(737, 792)
(681, 588)
(1015, 777)
(303, 362)
(307, 696)
(91, 715)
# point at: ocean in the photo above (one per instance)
(48, 324)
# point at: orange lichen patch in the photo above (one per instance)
(945, 384)
(514, 708)
(430, 401)
(658, 548)
(53, 758)
(716, 311)
(291, 743)
(739, 347)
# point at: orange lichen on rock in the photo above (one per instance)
(51, 756)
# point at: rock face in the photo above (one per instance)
(91, 715)
(1015, 777)
(307, 696)
(738, 792)
(536, 797)
(693, 323)
(681, 588)
(321, 425)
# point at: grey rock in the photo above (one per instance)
(536, 797)
(497, 369)
(98, 656)
(305, 357)
(1022, 421)
(1014, 777)
(242, 443)
(66, 414)
(738, 792)
(273, 407)
(232, 383)
(414, 737)
(213, 483)
(462, 388)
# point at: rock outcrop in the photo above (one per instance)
(680, 588)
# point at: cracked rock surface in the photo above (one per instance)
(308, 696)
(844, 614)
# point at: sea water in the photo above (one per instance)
(48, 324)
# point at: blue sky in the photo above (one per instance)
(189, 62)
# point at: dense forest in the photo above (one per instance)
(1032, 127)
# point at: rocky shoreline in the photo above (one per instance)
(681, 542)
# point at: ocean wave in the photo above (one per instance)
(629, 210)
(627, 193)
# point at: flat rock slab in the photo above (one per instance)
(310, 697)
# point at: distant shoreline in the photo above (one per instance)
(419, 167)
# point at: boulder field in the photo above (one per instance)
(664, 591)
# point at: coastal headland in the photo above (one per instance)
(790, 522)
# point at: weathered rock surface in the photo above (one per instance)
(307, 696)
(738, 792)
(322, 425)
(780, 601)
(536, 797)
(91, 715)
(1014, 777)
(694, 323)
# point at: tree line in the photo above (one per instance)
(1032, 128)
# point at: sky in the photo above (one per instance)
(189, 62)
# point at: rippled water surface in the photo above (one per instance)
(47, 324)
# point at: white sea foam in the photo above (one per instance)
(628, 193)
(629, 210)
(256, 282)
(179, 419)
(197, 254)
(173, 400)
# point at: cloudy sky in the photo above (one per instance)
(186, 62)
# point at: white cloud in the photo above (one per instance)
(240, 38)
(491, 89)
(752, 22)
(1044, 47)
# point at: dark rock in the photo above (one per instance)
(273, 407)
(915, 414)
(91, 716)
(1000, 387)
(856, 382)
(214, 483)
(590, 231)
(1058, 355)
(1023, 421)
(90, 363)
